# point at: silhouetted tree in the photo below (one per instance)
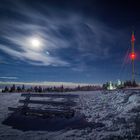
(36, 89)
(13, 88)
(40, 89)
(134, 84)
(62, 89)
(23, 88)
(105, 85)
(6, 89)
(19, 89)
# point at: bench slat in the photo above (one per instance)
(46, 111)
(49, 95)
(14, 109)
(54, 103)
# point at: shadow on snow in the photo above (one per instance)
(34, 123)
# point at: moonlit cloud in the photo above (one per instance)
(58, 35)
(34, 58)
(71, 42)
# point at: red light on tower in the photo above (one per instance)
(132, 56)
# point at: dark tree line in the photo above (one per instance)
(40, 89)
(130, 84)
(13, 88)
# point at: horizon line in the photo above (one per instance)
(50, 83)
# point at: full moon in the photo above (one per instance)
(35, 43)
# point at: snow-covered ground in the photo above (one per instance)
(118, 112)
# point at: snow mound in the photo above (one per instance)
(107, 116)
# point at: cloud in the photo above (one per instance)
(10, 78)
(71, 39)
(35, 58)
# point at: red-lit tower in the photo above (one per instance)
(133, 56)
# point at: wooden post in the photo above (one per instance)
(25, 106)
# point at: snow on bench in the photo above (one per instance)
(53, 95)
(57, 105)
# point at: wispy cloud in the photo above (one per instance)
(70, 39)
(9, 78)
(35, 58)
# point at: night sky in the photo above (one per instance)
(85, 41)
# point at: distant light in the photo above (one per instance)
(132, 56)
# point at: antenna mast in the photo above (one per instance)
(133, 56)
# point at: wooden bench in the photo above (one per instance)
(61, 105)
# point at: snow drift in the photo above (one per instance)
(109, 115)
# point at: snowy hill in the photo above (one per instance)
(118, 112)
